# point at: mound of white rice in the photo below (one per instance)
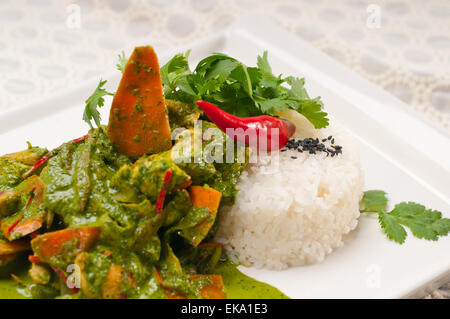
(298, 211)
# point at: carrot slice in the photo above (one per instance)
(205, 197)
(138, 121)
(68, 241)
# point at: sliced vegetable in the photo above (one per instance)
(26, 226)
(49, 155)
(61, 247)
(138, 122)
(29, 156)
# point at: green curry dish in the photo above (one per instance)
(106, 220)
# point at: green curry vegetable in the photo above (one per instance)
(97, 211)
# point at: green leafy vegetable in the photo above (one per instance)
(239, 89)
(423, 223)
(93, 102)
(122, 62)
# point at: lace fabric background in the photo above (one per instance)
(44, 49)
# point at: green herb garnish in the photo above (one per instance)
(238, 89)
(93, 102)
(122, 62)
(423, 223)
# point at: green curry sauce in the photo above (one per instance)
(237, 285)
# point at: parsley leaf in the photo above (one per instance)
(93, 102)
(423, 223)
(122, 62)
(239, 89)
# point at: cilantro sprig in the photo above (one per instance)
(94, 102)
(122, 62)
(239, 89)
(423, 223)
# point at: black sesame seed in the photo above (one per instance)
(313, 146)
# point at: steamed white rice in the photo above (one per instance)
(298, 212)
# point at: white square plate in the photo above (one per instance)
(400, 153)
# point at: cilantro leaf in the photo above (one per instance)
(424, 223)
(312, 110)
(239, 89)
(122, 62)
(374, 201)
(93, 102)
(392, 228)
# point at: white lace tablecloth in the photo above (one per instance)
(401, 45)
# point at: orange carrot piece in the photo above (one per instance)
(205, 197)
(138, 121)
(52, 244)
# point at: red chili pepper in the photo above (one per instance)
(81, 139)
(38, 164)
(162, 193)
(63, 276)
(47, 156)
(30, 200)
(158, 277)
(251, 126)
